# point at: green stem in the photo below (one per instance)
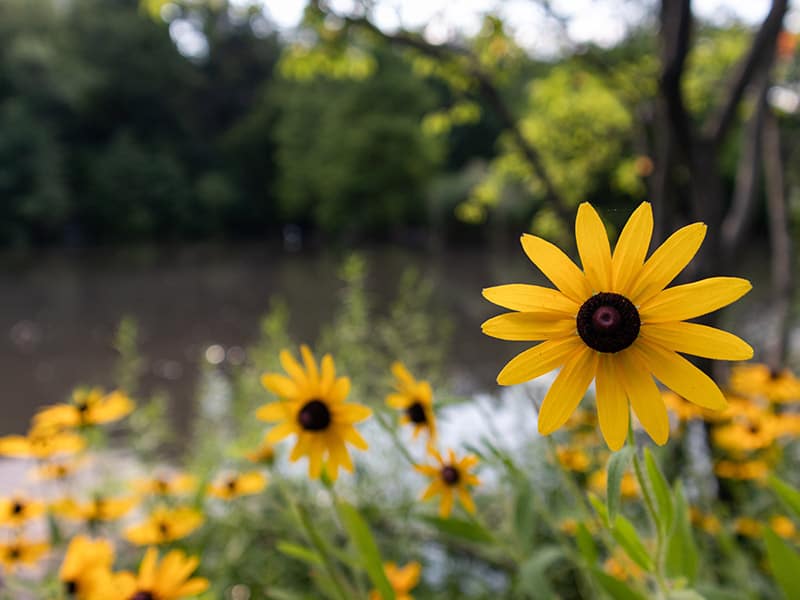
(652, 513)
(392, 431)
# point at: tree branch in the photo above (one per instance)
(676, 25)
(760, 57)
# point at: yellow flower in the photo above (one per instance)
(41, 443)
(313, 407)
(165, 525)
(707, 522)
(21, 552)
(629, 487)
(573, 460)
(99, 508)
(17, 510)
(758, 380)
(748, 527)
(783, 526)
(402, 580)
(683, 410)
(752, 469)
(241, 484)
(614, 322)
(58, 469)
(88, 407)
(746, 435)
(450, 477)
(415, 399)
(84, 566)
(173, 484)
(168, 580)
(264, 453)
(623, 568)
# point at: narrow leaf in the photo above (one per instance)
(466, 530)
(533, 577)
(658, 483)
(359, 533)
(788, 495)
(785, 564)
(619, 590)
(627, 537)
(682, 557)
(299, 552)
(586, 545)
(617, 465)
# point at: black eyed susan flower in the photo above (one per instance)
(22, 553)
(415, 399)
(165, 525)
(759, 380)
(238, 484)
(167, 580)
(450, 478)
(747, 470)
(85, 565)
(313, 407)
(42, 443)
(613, 322)
(16, 510)
(88, 407)
(98, 509)
(402, 579)
(166, 484)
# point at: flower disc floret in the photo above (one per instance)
(608, 322)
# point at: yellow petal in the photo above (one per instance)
(277, 433)
(432, 490)
(527, 326)
(347, 413)
(644, 395)
(631, 249)
(311, 365)
(466, 500)
(535, 362)
(567, 390)
(667, 261)
(280, 385)
(398, 401)
(340, 389)
(531, 298)
(696, 339)
(693, 299)
(293, 368)
(557, 267)
(402, 375)
(446, 505)
(595, 253)
(351, 434)
(273, 412)
(612, 404)
(327, 374)
(681, 376)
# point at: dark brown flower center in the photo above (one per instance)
(416, 413)
(163, 528)
(754, 428)
(17, 508)
(143, 596)
(231, 484)
(314, 416)
(14, 553)
(71, 587)
(608, 322)
(450, 475)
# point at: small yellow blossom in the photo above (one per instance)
(165, 525)
(167, 580)
(754, 379)
(747, 527)
(41, 443)
(450, 477)
(88, 407)
(415, 398)
(751, 469)
(240, 484)
(21, 553)
(783, 526)
(85, 564)
(402, 579)
(629, 487)
(16, 510)
(746, 436)
(173, 484)
(100, 508)
(573, 459)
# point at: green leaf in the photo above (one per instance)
(586, 545)
(533, 578)
(524, 517)
(682, 557)
(666, 511)
(600, 509)
(466, 530)
(785, 564)
(627, 537)
(712, 592)
(617, 465)
(619, 590)
(359, 533)
(788, 495)
(299, 552)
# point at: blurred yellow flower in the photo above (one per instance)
(85, 564)
(623, 568)
(21, 552)
(313, 407)
(402, 579)
(415, 399)
(240, 484)
(573, 459)
(172, 484)
(88, 407)
(41, 443)
(629, 487)
(167, 580)
(16, 510)
(100, 508)
(783, 526)
(747, 527)
(705, 521)
(165, 525)
(755, 379)
(751, 469)
(615, 322)
(58, 469)
(746, 435)
(264, 453)
(450, 477)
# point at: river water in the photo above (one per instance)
(59, 310)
